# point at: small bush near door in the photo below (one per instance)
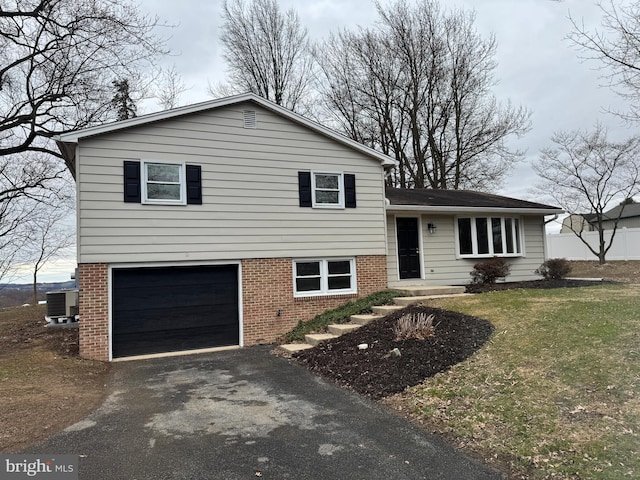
(490, 270)
(554, 269)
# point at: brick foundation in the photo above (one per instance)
(269, 308)
(94, 310)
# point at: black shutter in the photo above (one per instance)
(194, 184)
(304, 188)
(349, 190)
(132, 182)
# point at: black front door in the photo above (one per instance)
(408, 247)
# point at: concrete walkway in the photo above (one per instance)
(246, 414)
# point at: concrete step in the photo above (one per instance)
(421, 291)
(342, 328)
(363, 319)
(295, 347)
(406, 301)
(315, 338)
(385, 309)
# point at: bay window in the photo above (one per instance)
(488, 236)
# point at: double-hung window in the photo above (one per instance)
(488, 237)
(324, 277)
(327, 190)
(163, 182)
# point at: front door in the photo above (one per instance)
(408, 247)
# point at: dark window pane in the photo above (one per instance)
(483, 236)
(464, 236)
(331, 198)
(327, 182)
(339, 283)
(339, 267)
(306, 269)
(518, 246)
(307, 284)
(160, 191)
(160, 172)
(496, 231)
(508, 226)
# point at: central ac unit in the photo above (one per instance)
(62, 304)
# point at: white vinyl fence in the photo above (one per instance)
(626, 245)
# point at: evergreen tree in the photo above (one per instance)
(122, 102)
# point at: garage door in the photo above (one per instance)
(168, 309)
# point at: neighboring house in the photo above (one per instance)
(630, 218)
(577, 223)
(225, 223)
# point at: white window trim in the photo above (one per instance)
(340, 204)
(183, 183)
(324, 278)
(474, 237)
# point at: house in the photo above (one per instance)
(226, 222)
(436, 236)
(578, 223)
(629, 218)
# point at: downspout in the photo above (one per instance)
(544, 231)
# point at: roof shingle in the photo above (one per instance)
(457, 198)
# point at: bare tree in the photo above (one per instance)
(169, 88)
(585, 173)
(47, 236)
(267, 53)
(57, 61)
(617, 47)
(417, 86)
(26, 181)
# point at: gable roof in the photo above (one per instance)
(630, 210)
(433, 200)
(75, 136)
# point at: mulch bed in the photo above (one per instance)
(562, 283)
(376, 373)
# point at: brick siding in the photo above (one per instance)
(269, 308)
(94, 310)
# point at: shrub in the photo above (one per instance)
(416, 325)
(554, 269)
(490, 270)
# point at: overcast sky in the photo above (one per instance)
(537, 67)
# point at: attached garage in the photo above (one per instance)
(165, 309)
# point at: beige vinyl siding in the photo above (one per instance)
(440, 265)
(249, 188)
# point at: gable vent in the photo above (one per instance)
(249, 118)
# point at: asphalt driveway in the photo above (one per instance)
(246, 414)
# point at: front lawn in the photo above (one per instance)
(554, 394)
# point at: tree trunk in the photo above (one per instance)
(35, 287)
(602, 251)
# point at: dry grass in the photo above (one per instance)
(44, 385)
(416, 325)
(554, 394)
(618, 271)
